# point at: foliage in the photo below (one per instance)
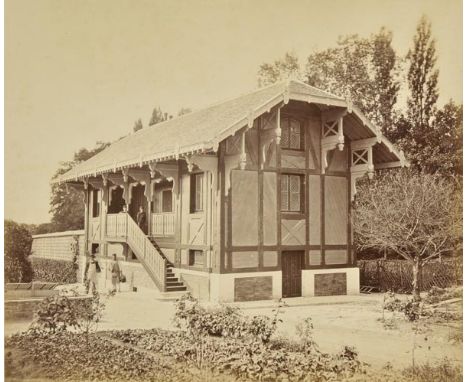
(284, 68)
(58, 271)
(55, 314)
(305, 331)
(184, 110)
(17, 242)
(246, 358)
(417, 216)
(60, 313)
(156, 116)
(443, 371)
(67, 207)
(138, 125)
(225, 321)
(436, 295)
(72, 356)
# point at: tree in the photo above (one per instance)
(362, 70)
(156, 116)
(138, 125)
(184, 110)
(414, 128)
(386, 81)
(284, 68)
(345, 71)
(415, 215)
(67, 208)
(18, 241)
(422, 78)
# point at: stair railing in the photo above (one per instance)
(122, 225)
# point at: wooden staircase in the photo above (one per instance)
(146, 249)
(173, 284)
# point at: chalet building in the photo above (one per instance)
(247, 199)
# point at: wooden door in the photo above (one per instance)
(292, 273)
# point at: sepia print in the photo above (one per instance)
(233, 190)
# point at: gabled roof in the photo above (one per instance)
(204, 129)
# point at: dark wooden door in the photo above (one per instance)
(292, 273)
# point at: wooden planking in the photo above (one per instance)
(292, 161)
(253, 288)
(245, 259)
(336, 211)
(314, 209)
(244, 207)
(338, 160)
(336, 256)
(315, 257)
(330, 284)
(270, 259)
(269, 209)
(293, 232)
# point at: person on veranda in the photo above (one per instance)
(141, 218)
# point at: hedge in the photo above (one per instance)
(58, 271)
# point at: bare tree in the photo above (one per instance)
(416, 215)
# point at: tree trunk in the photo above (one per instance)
(417, 279)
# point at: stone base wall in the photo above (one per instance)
(330, 282)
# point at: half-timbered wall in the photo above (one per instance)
(256, 231)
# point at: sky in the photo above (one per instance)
(78, 72)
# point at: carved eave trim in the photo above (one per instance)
(332, 137)
(270, 131)
(203, 162)
(144, 178)
(96, 183)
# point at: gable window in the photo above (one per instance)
(196, 193)
(292, 193)
(292, 137)
(96, 195)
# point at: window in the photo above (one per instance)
(196, 193)
(196, 258)
(291, 193)
(96, 194)
(291, 134)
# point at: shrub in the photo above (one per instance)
(57, 271)
(55, 314)
(18, 241)
(222, 320)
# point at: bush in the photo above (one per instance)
(18, 241)
(60, 313)
(56, 271)
(222, 320)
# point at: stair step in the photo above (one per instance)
(171, 278)
(174, 283)
(170, 274)
(175, 288)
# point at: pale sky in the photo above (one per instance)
(77, 72)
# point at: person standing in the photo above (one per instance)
(141, 218)
(93, 270)
(115, 271)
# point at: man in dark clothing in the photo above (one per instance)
(141, 219)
